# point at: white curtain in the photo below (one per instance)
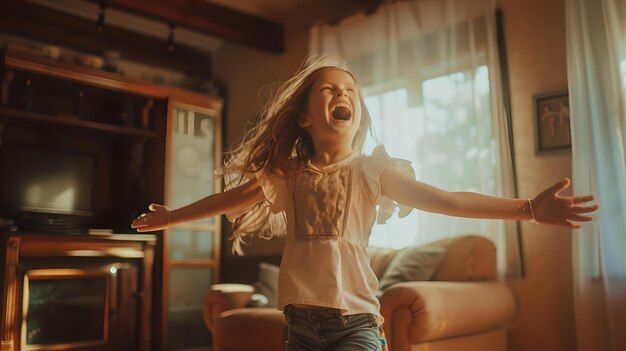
(430, 73)
(596, 49)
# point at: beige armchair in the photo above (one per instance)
(461, 307)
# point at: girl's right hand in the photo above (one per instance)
(158, 219)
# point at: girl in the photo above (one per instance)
(300, 172)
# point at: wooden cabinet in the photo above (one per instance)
(137, 143)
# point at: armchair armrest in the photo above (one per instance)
(224, 297)
(428, 311)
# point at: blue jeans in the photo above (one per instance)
(325, 329)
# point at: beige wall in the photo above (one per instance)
(245, 71)
(247, 75)
(535, 37)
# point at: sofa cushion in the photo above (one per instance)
(268, 283)
(380, 258)
(412, 264)
(468, 258)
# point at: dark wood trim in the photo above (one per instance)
(506, 91)
(210, 18)
(370, 6)
(506, 97)
(123, 245)
(146, 298)
(11, 249)
(33, 118)
(27, 20)
(194, 263)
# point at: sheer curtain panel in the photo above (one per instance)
(596, 49)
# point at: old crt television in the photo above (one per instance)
(79, 307)
(46, 189)
(66, 308)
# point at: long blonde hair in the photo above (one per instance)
(276, 145)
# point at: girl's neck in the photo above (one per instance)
(328, 156)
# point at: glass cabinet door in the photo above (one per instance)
(191, 250)
(192, 162)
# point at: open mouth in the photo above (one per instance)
(341, 112)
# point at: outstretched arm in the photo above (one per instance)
(548, 207)
(232, 200)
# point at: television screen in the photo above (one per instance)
(48, 181)
(68, 309)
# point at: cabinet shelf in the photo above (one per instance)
(14, 59)
(26, 117)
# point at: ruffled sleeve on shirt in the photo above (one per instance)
(373, 168)
(273, 187)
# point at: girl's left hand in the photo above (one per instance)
(551, 208)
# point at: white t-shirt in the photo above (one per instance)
(329, 213)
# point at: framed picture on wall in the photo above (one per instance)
(552, 119)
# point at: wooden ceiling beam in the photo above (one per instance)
(27, 20)
(211, 19)
(370, 6)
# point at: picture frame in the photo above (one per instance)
(552, 121)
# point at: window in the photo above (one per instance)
(444, 127)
